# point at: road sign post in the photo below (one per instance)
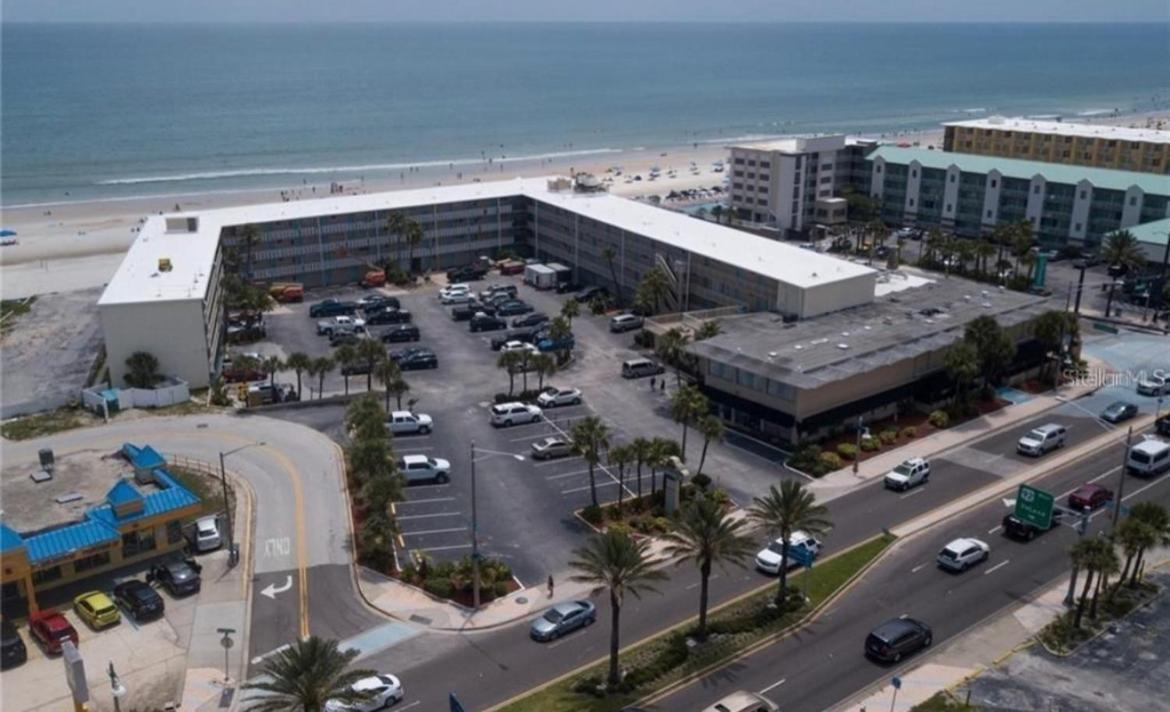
(1034, 506)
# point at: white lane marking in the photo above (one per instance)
(586, 487)
(919, 567)
(994, 529)
(425, 501)
(557, 461)
(260, 658)
(435, 531)
(997, 567)
(426, 516)
(529, 437)
(774, 685)
(563, 475)
(700, 583)
(416, 703)
(439, 548)
(279, 546)
(912, 492)
(406, 450)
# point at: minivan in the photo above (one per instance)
(1148, 458)
(640, 368)
(898, 637)
(1041, 440)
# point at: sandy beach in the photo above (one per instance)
(78, 245)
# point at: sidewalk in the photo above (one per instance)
(986, 645)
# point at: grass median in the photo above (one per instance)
(666, 659)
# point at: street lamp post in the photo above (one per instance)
(475, 572)
(117, 689)
(233, 555)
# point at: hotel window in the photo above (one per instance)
(826, 166)
(798, 163)
(826, 179)
(949, 208)
(796, 191)
(136, 543)
(912, 202)
(1133, 202)
(1036, 190)
(993, 182)
(1082, 195)
(91, 562)
(174, 532)
(1077, 228)
(751, 163)
(952, 178)
(765, 164)
(914, 173)
(739, 161)
(46, 575)
(988, 213)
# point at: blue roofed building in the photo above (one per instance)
(126, 509)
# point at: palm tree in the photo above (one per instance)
(390, 376)
(414, 238)
(640, 449)
(671, 347)
(614, 561)
(705, 535)
(305, 676)
(1105, 564)
(370, 352)
(524, 363)
(962, 363)
(1049, 329)
(1157, 518)
(984, 251)
(510, 361)
(711, 428)
(299, 362)
(346, 357)
(1021, 236)
(620, 456)
(271, 365)
(589, 436)
(686, 404)
(1134, 536)
(1082, 555)
(609, 254)
(570, 310)
(322, 365)
(660, 452)
(785, 511)
(396, 225)
(1122, 248)
(709, 330)
(559, 330)
(544, 365)
(654, 287)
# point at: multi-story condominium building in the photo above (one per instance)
(785, 184)
(165, 297)
(1116, 147)
(970, 195)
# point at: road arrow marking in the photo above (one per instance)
(271, 590)
(1009, 503)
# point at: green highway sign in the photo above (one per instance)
(1034, 506)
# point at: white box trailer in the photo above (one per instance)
(564, 274)
(540, 276)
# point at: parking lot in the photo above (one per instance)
(525, 507)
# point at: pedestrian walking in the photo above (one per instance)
(663, 388)
(550, 586)
(653, 382)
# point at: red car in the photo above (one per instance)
(1090, 495)
(51, 628)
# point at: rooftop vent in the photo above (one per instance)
(842, 346)
(164, 264)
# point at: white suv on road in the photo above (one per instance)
(768, 560)
(911, 473)
(1153, 385)
(506, 414)
(1042, 439)
(402, 422)
(420, 468)
(962, 554)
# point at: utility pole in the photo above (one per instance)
(1121, 483)
(474, 536)
(227, 507)
(1080, 290)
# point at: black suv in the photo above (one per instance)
(1014, 528)
(533, 319)
(898, 637)
(589, 293)
(1162, 425)
(402, 332)
(388, 316)
(374, 304)
(467, 273)
(332, 307)
(139, 599)
(487, 322)
(12, 650)
(512, 308)
(178, 577)
(415, 359)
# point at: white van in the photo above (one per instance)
(640, 367)
(1148, 458)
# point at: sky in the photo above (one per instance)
(585, 10)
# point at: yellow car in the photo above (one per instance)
(96, 609)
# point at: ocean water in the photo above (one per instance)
(104, 111)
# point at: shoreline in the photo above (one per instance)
(74, 245)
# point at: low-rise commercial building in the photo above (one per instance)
(165, 298)
(91, 517)
(796, 381)
(1099, 146)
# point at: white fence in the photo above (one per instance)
(169, 391)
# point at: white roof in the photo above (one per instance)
(192, 253)
(1060, 128)
(803, 144)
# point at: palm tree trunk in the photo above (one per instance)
(614, 638)
(370, 377)
(703, 456)
(1096, 595)
(1124, 571)
(1137, 566)
(705, 576)
(653, 480)
(592, 485)
(639, 479)
(684, 441)
(388, 399)
(346, 377)
(511, 382)
(621, 484)
(525, 377)
(298, 383)
(1084, 595)
(398, 399)
(321, 386)
(782, 591)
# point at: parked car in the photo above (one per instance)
(1089, 495)
(486, 322)
(1153, 385)
(897, 637)
(561, 619)
(551, 397)
(12, 650)
(331, 307)
(961, 554)
(525, 335)
(588, 293)
(551, 447)
(380, 691)
(531, 319)
(911, 473)
(378, 302)
(404, 422)
(139, 600)
(1119, 411)
(769, 558)
(547, 343)
(421, 468)
(519, 346)
(454, 289)
(177, 576)
(207, 534)
(506, 414)
(624, 322)
(466, 274)
(1041, 440)
(498, 288)
(389, 316)
(495, 299)
(1162, 425)
(348, 337)
(1117, 270)
(96, 609)
(50, 629)
(513, 308)
(743, 701)
(1016, 528)
(1148, 458)
(415, 359)
(464, 312)
(641, 367)
(401, 333)
(326, 327)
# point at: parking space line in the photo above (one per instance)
(528, 437)
(425, 501)
(586, 487)
(427, 516)
(563, 475)
(441, 548)
(435, 531)
(413, 449)
(557, 461)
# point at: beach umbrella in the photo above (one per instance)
(7, 233)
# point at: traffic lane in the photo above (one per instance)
(909, 582)
(336, 611)
(1081, 428)
(276, 613)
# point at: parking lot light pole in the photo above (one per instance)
(233, 556)
(475, 575)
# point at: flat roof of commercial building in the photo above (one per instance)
(1060, 128)
(899, 326)
(803, 144)
(1154, 233)
(191, 254)
(1017, 168)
